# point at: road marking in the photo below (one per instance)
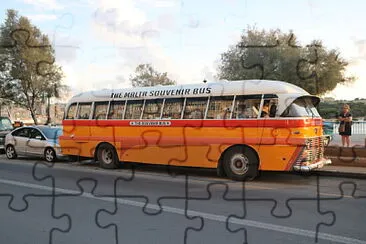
(336, 195)
(213, 217)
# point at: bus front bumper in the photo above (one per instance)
(317, 165)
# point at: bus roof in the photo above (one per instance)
(220, 88)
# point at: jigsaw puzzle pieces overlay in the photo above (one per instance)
(127, 209)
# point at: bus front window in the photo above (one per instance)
(301, 107)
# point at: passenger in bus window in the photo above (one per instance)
(176, 116)
(223, 114)
(265, 110)
(196, 114)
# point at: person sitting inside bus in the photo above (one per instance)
(196, 114)
(223, 114)
(265, 110)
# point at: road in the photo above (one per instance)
(80, 203)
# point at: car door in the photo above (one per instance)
(36, 143)
(21, 137)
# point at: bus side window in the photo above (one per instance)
(152, 109)
(246, 107)
(100, 110)
(84, 110)
(195, 108)
(116, 110)
(173, 108)
(134, 109)
(71, 111)
(220, 107)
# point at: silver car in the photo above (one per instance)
(39, 141)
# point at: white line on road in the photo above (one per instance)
(214, 217)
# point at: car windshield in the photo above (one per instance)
(5, 124)
(51, 133)
(301, 107)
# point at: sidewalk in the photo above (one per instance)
(342, 171)
(356, 140)
(339, 167)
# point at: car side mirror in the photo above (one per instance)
(39, 137)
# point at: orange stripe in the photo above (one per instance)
(191, 141)
(263, 122)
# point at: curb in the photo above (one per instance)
(337, 173)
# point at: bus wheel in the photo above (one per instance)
(240, 163)
(107, 157)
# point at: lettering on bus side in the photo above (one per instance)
(150, 123)
(161, 93)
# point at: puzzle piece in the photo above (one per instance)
(306, 220)
(351, 196)
(197, 199)
(38, 203)
(126, 227)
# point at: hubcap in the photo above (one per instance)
(10, 152)
(49, 155)
(107, 156)
(239, 164)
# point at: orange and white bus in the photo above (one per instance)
(237, 127)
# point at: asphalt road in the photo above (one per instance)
(80, 203)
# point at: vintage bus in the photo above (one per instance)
(236, 127)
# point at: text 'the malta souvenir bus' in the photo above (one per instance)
(237, 127)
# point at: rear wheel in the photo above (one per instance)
(241, 163)
(107, 157)
(50, 155)
(10, 152)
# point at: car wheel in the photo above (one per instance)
(107, 157)
(10, 152)
(241, 163)
(49, 155)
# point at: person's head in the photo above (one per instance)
(266, 106)
(345, 108)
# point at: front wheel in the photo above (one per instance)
(241, 163)
(10, 152)
(107, 157)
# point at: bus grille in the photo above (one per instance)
(312, 152)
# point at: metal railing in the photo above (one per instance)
(358, 127)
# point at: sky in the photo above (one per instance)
(99, 43)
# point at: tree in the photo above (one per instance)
(28, 72)
(145, 75)
(276, 55)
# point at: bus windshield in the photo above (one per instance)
(301, 107)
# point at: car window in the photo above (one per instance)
(51, 133)
(24, 132)
(34, 133)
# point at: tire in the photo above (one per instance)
(241, 163)
(107, 157)
(10, 152)
(49, 155)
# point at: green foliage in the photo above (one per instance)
(145, 75)
(27, 71)
(331, 110)
(275, 55)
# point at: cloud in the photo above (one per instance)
(361, 48)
